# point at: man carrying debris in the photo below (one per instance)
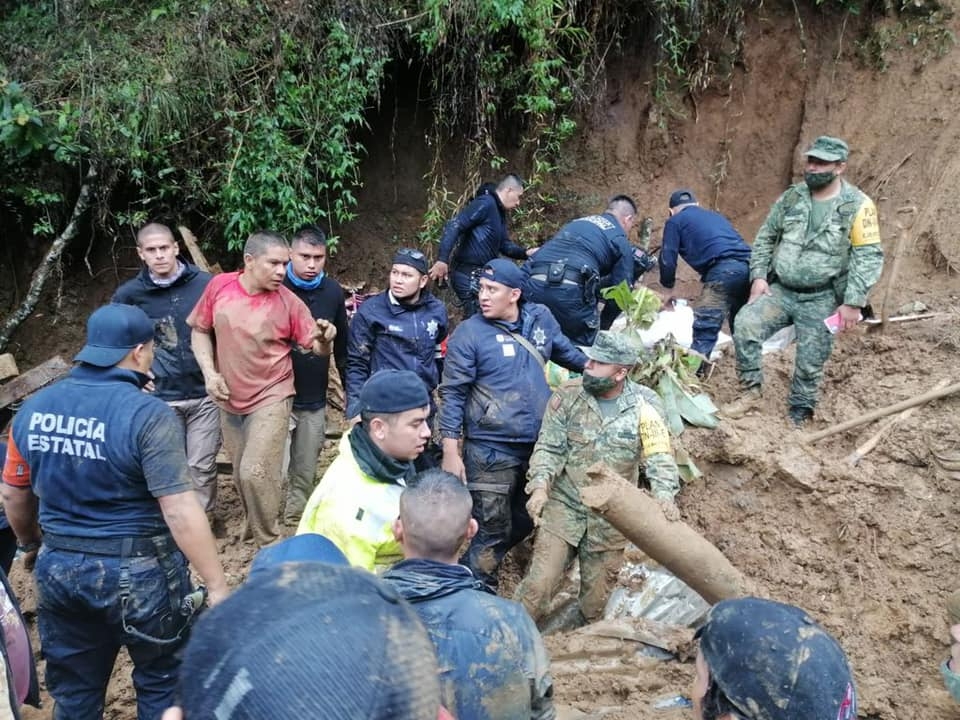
(818, 253)
(166, 289)
(476, 236)
(763, 660)
(101, 467)
(255, 322)
(603, 417)
(358, 498)
(493, 395)
(324, 297)
(565, 273)
(493, 663)
(710, 245)
(398, 329)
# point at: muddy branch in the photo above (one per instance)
(84, 198)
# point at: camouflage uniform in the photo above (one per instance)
(575, 435)
(811, 271)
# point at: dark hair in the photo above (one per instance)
(310, 234)
(617, 203)
(259, 241)
(716, 704)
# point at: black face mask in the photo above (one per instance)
(818, 180)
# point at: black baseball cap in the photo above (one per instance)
(682, 197)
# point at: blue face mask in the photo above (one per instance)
(304, 284)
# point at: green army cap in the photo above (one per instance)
(830, 149)
(614, 349)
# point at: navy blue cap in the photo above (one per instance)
(504, 272)
(682, 197)
(309, 547)
(310, 640)
(773, 662)
(393, 391)
(113, 331)
(414, 258)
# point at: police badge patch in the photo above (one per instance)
(432, 327)
(539, 337)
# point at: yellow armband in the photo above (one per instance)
(865, 229)
(654, 434)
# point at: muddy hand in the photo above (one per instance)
(323, 336)
(217, 388)
(758, 289)
(538, 498)
(439, 271)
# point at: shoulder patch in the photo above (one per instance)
(555, 401)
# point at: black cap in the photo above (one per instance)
(393, 391)
(682, 197)
(414, 258)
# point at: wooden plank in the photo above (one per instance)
(193, 247)
(33, 380)
(8, 366)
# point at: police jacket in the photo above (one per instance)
(387, 335)
(177, 375)
(701, 237)
(481, 230)
(355, 511)
(843, 252)
(311, 373)
(492, 660)
(595, 244)
(99, 453)
(493, 388)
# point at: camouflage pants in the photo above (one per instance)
(551, 555)
(769, 313)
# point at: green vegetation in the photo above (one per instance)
(241, 114)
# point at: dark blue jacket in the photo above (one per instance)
(701, 237)
(481, 229)
(311, 373)
(100, 452)
(596, 243)
(493, 389)
(386, 335)
(177, 375)
(492, 661)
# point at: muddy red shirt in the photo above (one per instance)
(254, 335)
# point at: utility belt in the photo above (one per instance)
(122, 547)
(556, 273)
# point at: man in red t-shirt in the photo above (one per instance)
(254, 322)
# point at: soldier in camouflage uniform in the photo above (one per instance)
(603, 417)
(817, 253)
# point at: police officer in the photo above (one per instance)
(477, 235)
(712, 247)
(493, 395)
(603, 417)
(565, 273)
(817, 253)
(167, 289)
(104, 464)
(398, 329)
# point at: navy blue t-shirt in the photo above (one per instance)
(100, 452)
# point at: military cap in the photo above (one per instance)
(830, 149)
(614, 348)
(773, 662)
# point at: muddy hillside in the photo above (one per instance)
(871, 549)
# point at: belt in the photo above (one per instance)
(540, 277)
(572, 276)
(809, 290)
(138, 546)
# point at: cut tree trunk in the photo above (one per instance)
(84, 198)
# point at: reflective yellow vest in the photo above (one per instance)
(356, 512)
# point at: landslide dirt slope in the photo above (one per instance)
(870, 551)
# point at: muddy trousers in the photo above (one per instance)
(769, 313)
(306, 439)
(551, 555)
(82, 630)
(495, 481)
(200, 418)
(726, 287)
(256, 445)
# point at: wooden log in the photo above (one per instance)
(8, 366)
(193, 247)
(33, 380)
(674, 544)
(879, 413)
